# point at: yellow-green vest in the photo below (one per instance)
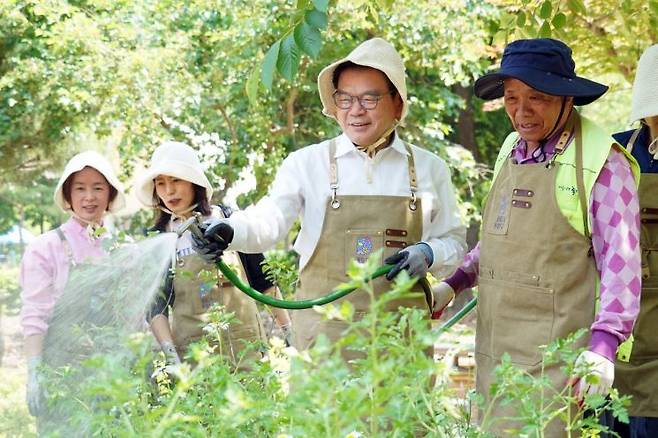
(596, 148)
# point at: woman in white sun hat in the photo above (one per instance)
(636, 370)
(176, 186)
(87, 189)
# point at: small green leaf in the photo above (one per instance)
(316, 19)
(520, 19)
(545, 30)
(288, 60)
(546, 9)
(321, 5)
(559, 20)
(251, 87)
(577, 6)
(653, 5)
(269, 63)
(308, 39)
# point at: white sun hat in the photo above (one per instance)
(175, 159)
(98, 162)
(645, 87)
(376, 53)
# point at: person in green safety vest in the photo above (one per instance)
(560, 230)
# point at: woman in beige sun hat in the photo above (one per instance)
(177, 187)
(87, 189)
(637, 372)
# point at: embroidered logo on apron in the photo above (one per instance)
(501, 217)
(570, 189)
(363, 249)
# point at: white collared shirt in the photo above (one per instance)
(301, 189)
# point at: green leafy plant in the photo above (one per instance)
(538, 403)
(280, 267)
(393, 387)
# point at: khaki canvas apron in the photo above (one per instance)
(531, 290)
(195, 295)
(354, 227)
(639, 376)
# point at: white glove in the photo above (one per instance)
(600, 375)
(171, 355)
(34, 393)
(442, 295)
(172, 361)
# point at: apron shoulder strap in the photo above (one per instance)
(67, 246)
(580, 179)
(413, 179)
(333, 174)
(226, 210)
(633, 139)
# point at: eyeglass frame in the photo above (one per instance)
(377, 98)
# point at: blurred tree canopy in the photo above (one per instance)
(237, 78)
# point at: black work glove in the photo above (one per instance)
(217, 235)
(416, 259)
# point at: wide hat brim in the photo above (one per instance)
(375, 53)
(145, 187)
(583, 91)
(645, 86)
(98, 162)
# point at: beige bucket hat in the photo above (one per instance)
(96, 161)
(376, 53)
(645, 87)
(174, 159)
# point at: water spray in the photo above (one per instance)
(194, 224)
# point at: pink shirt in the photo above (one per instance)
(615, 217)
(45, 269)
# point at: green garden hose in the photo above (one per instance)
(193, 225)
(302, 304)
(459, 315)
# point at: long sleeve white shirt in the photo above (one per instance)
(301, 189)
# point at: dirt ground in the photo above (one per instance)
(15, 421)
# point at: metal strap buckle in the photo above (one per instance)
(412, 202)
(335, 203)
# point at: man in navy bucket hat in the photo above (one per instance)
(560, 232)
(544, 64)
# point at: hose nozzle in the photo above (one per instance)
(193, 224)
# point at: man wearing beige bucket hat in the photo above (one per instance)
(363, 191)
(637, 374)
(87, 189)
(176, 186)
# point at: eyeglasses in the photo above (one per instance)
(367, 101)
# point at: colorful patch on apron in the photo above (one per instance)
(363, 248)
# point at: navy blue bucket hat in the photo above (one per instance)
(544, 64)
